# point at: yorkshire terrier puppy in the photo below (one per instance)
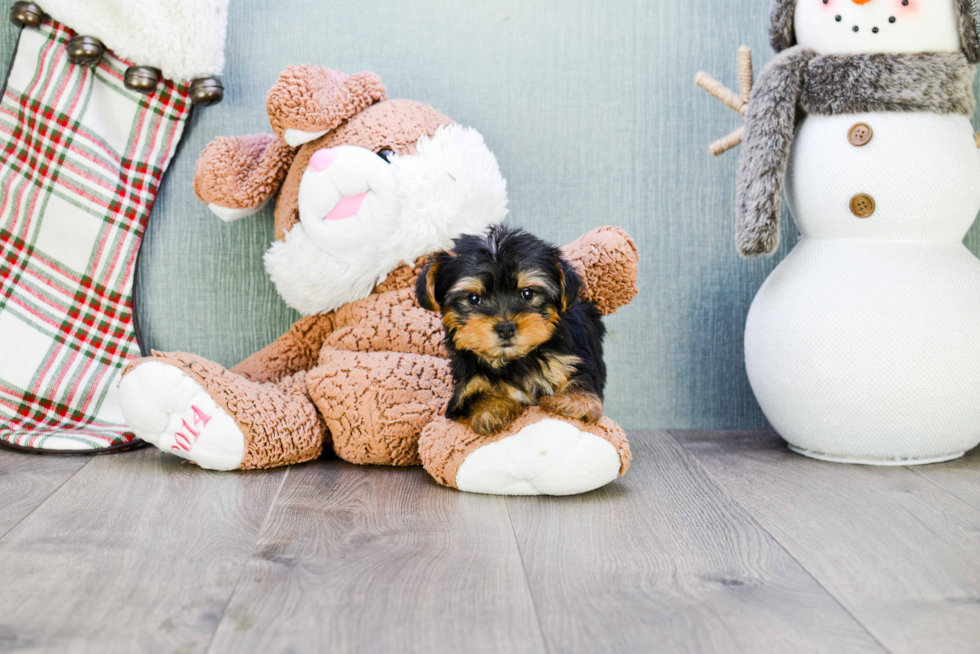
(517, 330)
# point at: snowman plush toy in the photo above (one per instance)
(863, 345)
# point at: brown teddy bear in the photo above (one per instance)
(368, 187)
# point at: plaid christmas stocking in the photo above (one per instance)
(83, 157)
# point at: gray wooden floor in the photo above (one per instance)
(714, 542)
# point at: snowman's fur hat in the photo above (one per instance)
(782, 35)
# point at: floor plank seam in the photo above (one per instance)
(248, 559)
(945, 490)
(776, 540)
(45, 500)
(527, 579)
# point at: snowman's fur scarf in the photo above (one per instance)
(798, 81)
(782, 34)
(941, 83)
(769, 124)
(450, 186)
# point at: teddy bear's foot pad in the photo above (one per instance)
(170, 410)
(549, 457)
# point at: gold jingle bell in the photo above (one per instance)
(142, 79)
(26, 14)
(206, 91)
(85, 50)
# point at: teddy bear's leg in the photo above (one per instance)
(194, 408)
(539, 454)
(376, 404)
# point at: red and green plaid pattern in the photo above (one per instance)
(83, 157)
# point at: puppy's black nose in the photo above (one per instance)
(505, 330)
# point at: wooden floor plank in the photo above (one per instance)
(27, 480)
(897, 551)
(368, 559)
(960, 478)
(135, 553)
(663, 560)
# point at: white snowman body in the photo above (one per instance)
(863, 345)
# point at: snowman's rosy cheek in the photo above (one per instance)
(906, 7)
(826, 4)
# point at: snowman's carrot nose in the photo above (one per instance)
(860, 2)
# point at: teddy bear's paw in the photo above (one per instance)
(170, 410)
(548, 457)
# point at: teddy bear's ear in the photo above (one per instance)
(236, 176)
(309, 101)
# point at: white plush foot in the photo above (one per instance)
(550, 457)
(165, 407)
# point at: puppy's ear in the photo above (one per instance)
(425, 284)
(569, 283)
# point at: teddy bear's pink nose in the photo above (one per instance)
(321, 159)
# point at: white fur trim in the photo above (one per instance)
(451, 186)
(295, 138)
(231, 215)
(185, 39)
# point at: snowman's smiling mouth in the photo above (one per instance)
(857, 28)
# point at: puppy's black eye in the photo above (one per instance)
(386, 154)
(474, 299)
(527, 294)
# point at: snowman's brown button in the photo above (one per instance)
(860, 134)
(862, 205)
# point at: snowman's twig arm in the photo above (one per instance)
(745, 73)
(718, 90)
(738, 102)
(723, 145)
(976, 137)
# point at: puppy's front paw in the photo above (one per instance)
(493, 415)
(582, 406)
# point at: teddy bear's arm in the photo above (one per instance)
(236, 176)
(295, 351)
(606, 259)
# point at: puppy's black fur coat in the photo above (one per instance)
(517, 329)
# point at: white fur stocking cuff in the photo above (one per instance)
(185, 39)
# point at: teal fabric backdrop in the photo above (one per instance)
(590, 108)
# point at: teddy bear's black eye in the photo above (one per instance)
(386, 154)
(527, 294)
(474, 299)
